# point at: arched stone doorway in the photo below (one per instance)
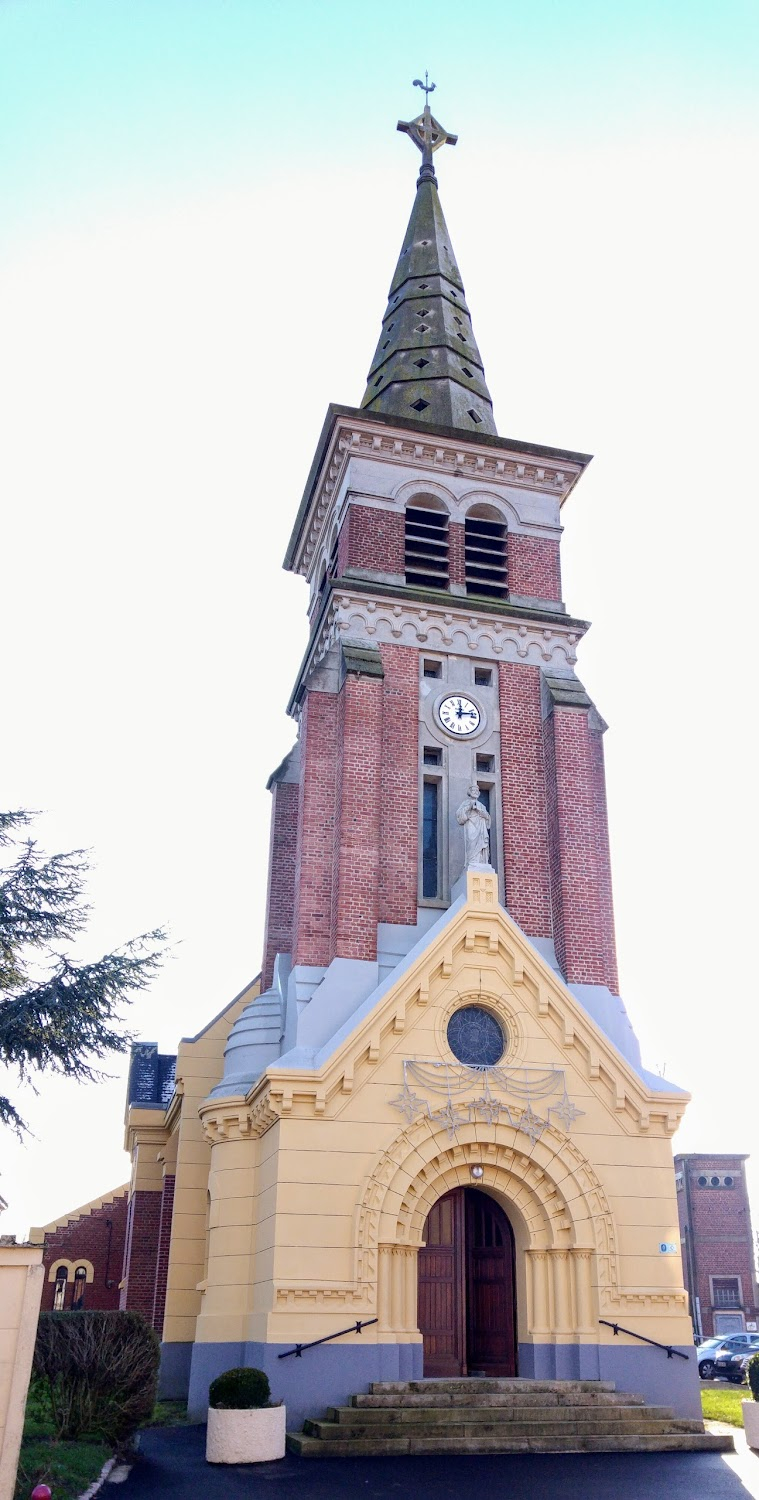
(466, 1296)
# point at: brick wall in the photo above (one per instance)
(357, 850)
(280, 898)
(399, 811)
(372, 539)
(603, 858)
(98, 1237)
(525, 826)
(312, 917)
(554, 843)
(580, 881)
(162, 1260)
(534, 568)
(456, 558)
(141, 1253)
(721, 1233)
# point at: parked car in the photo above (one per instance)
(732, 1366)
(726, 1361)
(706, 1354)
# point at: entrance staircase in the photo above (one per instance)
(500, 1416)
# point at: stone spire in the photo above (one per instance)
(427, 366)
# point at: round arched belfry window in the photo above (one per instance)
(475, 1037)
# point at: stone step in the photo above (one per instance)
(522, 1397)
(481, 1385)
(509, 1415)
(340, 1432)
(385, 1447)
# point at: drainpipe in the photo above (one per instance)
(695, 1304)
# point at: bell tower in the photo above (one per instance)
(440, 654)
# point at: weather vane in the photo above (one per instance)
(426, 132)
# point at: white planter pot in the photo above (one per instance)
(245, 1437)
(751, 1422)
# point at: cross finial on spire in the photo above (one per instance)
(426, 132)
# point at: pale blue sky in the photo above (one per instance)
(201, 206)
(130, 98)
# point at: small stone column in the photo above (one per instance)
(562, 1291)
(397, 1288)
(582, 1264)
(537, 1263)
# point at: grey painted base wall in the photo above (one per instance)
(174, 1375)
(648, 1372)
(327, 1376)
(331, 1374)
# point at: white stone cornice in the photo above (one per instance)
(378, 620)
(446, 457)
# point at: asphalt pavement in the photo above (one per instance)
(172, 1466)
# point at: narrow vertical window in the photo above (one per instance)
(431, 840)
(59, 1295)
(80, 1282)
(486, 764)
(426, 547)
(485, 557)
(488, 803)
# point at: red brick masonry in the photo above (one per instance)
(97, 1237)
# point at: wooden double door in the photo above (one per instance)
(466, 1287)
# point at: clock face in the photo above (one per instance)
(459, 715)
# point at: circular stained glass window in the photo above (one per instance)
(475, 1037)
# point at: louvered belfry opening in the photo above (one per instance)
(485, 557)
(426, 547)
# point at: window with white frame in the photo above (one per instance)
(726, 1292)
(59, 1295)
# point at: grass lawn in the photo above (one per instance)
(69, 1467)
(724, 1405)
(168, 1414)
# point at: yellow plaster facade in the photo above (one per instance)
(174, 1142)
(319, 1181)
(21, 1278)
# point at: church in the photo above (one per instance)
(423, 1144)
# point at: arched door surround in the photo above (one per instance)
(565, 1243)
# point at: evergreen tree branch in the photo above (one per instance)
(11, 820)
(11, 1117)
(74, 1015)
(57, 1014)
(40, 903)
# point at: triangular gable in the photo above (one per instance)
(474, 925)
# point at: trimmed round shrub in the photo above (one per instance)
(239, 1390)
(753, 1376)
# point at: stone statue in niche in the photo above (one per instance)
(475, 821)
